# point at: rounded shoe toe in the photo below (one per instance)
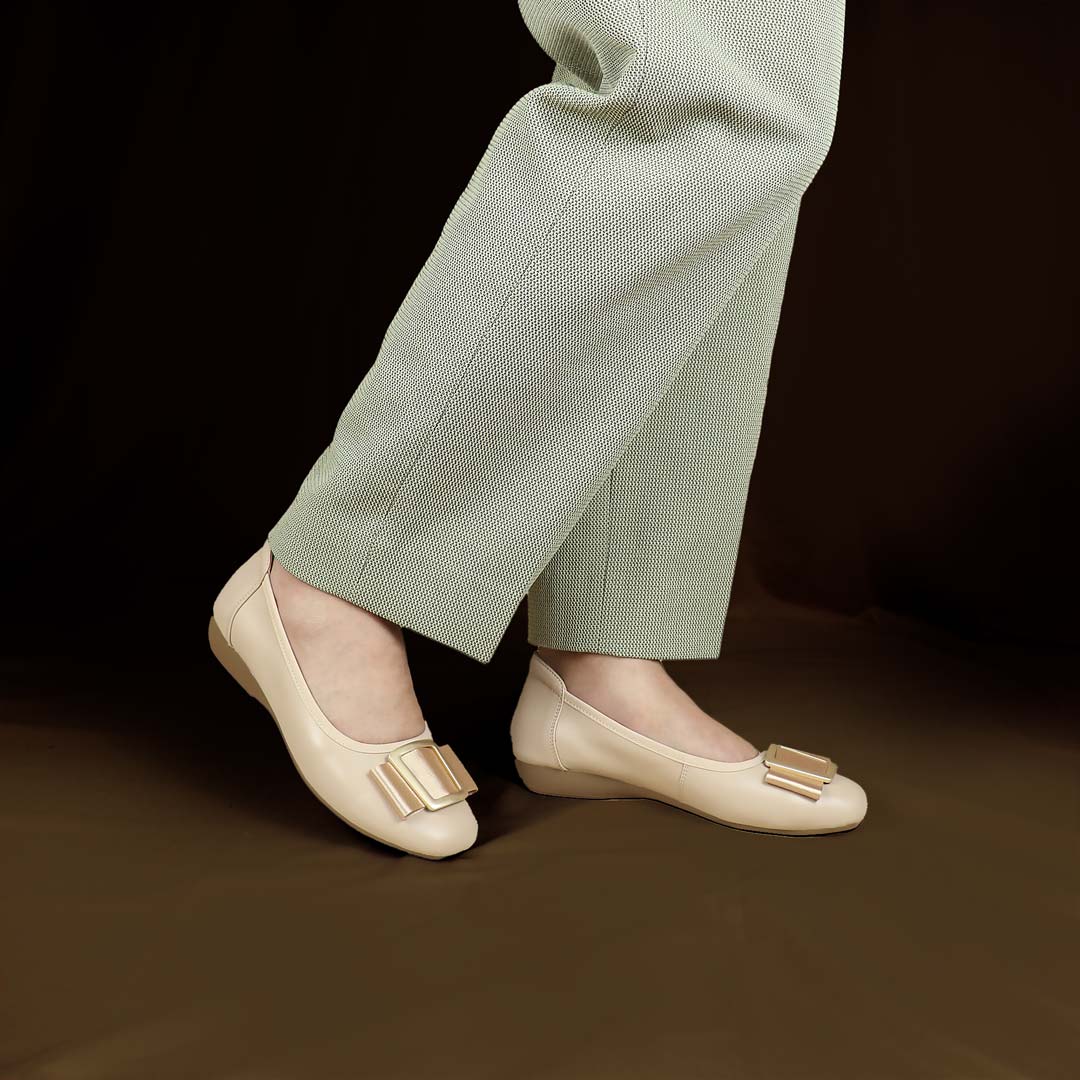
(842, 804)
(438, 833)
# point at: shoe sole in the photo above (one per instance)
(578, 785)
(232, 662)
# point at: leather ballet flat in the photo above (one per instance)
(408, 794)
(563, 746)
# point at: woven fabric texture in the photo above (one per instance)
(647, 569)
(567, 403)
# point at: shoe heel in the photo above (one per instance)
(575, 785)
(230, 660)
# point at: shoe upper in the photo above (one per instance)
(555, 729)
(338, 769)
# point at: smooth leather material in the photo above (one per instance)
(335, 767)
(554, 729)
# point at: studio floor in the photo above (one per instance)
(177, 905)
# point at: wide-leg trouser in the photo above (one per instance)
(566, 405)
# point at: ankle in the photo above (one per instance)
(309, 610)
(564, 660)
(294, 591)
(354, 661)
(642, 695)
(602, 676)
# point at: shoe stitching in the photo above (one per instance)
(553, 730)
(267, 563)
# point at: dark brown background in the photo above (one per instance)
(210, 215)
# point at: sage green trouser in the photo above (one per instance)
(567, 404)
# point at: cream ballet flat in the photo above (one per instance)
(563, 746)
(409, 794)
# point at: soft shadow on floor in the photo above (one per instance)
(183, 907)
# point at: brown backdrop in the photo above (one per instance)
(209, 217)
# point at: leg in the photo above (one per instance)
(615, 213)
(647, 570)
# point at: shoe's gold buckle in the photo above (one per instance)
(423, 776)
(798, 770)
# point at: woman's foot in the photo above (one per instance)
(354, 662)
(660, 746)
(641, 695)
(407, 792)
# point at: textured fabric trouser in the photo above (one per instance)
(567, 404)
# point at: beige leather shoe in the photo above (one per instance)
(563, 746)
(408, 794)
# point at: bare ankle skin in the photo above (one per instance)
(354, 661)
(642, 695)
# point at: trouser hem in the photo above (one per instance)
(460, 626)
(629, 632)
